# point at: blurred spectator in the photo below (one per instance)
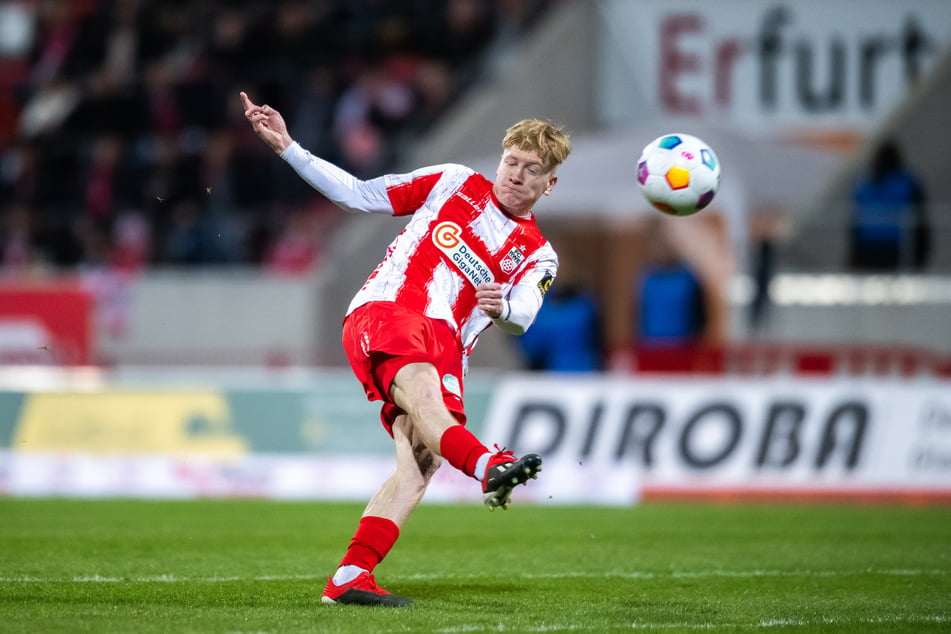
(374, 105)
(184, 238)
(55, 53)
(465, 26)
(672, 312)
(680, 295)
(889, 226)
(223, 213)
(48, 108)
(566, 335)
(131, 242)
(312, 111)
(294, 251)
(766, 228)
(103, 179)
(17, 251)
(17, 32)
(19, 178)
(163, 112)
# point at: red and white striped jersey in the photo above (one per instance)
(458, 237)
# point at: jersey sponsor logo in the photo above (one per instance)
(511, 260)
(448, 237)
(545, 283)
(472, 203)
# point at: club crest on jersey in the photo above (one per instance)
(511, 260)
(447, 236)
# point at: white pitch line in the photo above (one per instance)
(703, 574)
(685, 626)
(632, 575)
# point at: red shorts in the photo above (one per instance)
(380, 338)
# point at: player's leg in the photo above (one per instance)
(414, 364)
(417, 389)
(415, 466)
(379, 528)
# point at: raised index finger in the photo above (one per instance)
(246, 102)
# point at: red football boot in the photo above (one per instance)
(362, 591)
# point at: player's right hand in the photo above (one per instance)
(489, 299)
(267, 123)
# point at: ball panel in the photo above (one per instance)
(664, 207)
(642, 172)
(677, 177)
(705, 199)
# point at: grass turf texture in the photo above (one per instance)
(259, 566)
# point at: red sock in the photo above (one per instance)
(461, 449)
(374, 538)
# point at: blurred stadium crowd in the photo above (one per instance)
(123, 144)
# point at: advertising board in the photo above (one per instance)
(605, 439)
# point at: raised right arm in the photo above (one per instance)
(340, 186)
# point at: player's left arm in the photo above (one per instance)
(514, 311)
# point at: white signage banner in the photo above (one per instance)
(732, 435)
(765, 66)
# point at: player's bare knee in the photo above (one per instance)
(428, 463)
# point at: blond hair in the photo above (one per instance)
(549, 141)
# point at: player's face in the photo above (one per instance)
(521, 180)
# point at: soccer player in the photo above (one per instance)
(470, 256)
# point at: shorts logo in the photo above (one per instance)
(447, 236)
(451, 384)
(365, 343)
(511, 260)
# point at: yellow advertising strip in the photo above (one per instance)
(128, 422)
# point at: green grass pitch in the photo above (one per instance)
(259, 566)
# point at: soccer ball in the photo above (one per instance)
(679, 174)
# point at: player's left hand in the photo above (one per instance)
(490, 300)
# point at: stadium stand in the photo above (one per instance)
(123, 144)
